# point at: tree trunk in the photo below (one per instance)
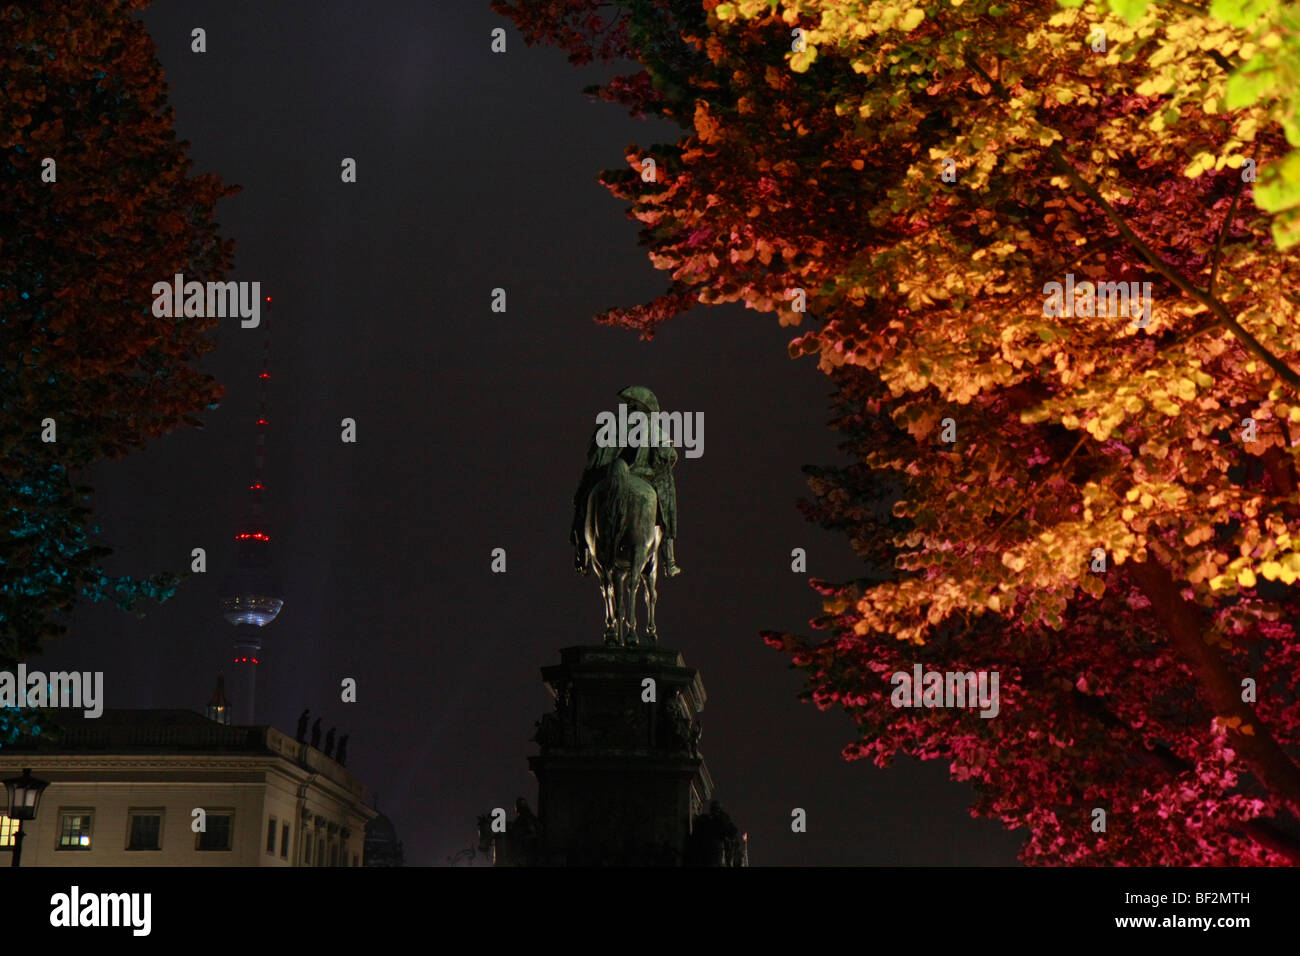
(1185, 623)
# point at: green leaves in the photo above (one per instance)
(1242, 13)
(1250, 83)
(1130, 10)
(1279, 187)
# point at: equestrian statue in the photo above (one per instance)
(625, 521)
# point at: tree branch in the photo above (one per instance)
(1263, 831)
(1220, 311)
(1223, 231)
(1184, 622)
(1041, 485)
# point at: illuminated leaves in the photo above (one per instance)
(77, 263)
(1080, 431)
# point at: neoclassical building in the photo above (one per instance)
(125, 788)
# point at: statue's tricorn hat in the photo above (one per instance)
(641, 397)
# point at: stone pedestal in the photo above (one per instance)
(620, 778)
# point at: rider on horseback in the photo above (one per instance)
(653, 463)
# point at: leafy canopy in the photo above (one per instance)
(81, 84)
(815, 174)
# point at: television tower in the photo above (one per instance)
(252, 596)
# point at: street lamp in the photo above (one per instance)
(24, 799)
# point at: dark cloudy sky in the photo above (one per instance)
(475, 171)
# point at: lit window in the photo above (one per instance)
(145, 830)
(74, 830)
(8, 828)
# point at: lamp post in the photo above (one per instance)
(24, 799)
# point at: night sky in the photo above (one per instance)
(475, 170)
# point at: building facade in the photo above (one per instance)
(173, 788)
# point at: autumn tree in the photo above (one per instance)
(98, 203)
(1098, 504)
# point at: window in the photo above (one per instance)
(306, 853)
(284, 841)
(144, 831)
(354, 860)
(8, 828)
(74, 829)
(270, 836)
(217, 836)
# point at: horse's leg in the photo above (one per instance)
(633, 583)
(638, 591)
(651, 579)
(626, 632)
(611, 621)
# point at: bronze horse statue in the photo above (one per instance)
(623, 540)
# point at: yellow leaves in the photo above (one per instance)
(799, 62)
(1163, 404)
(995, 602)
(912, 19)
(1100, 427)
(1268, 562)
(1156, 86)
(1199, 164)
(1046, 137)
(1093, 584)
(1013, 561)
